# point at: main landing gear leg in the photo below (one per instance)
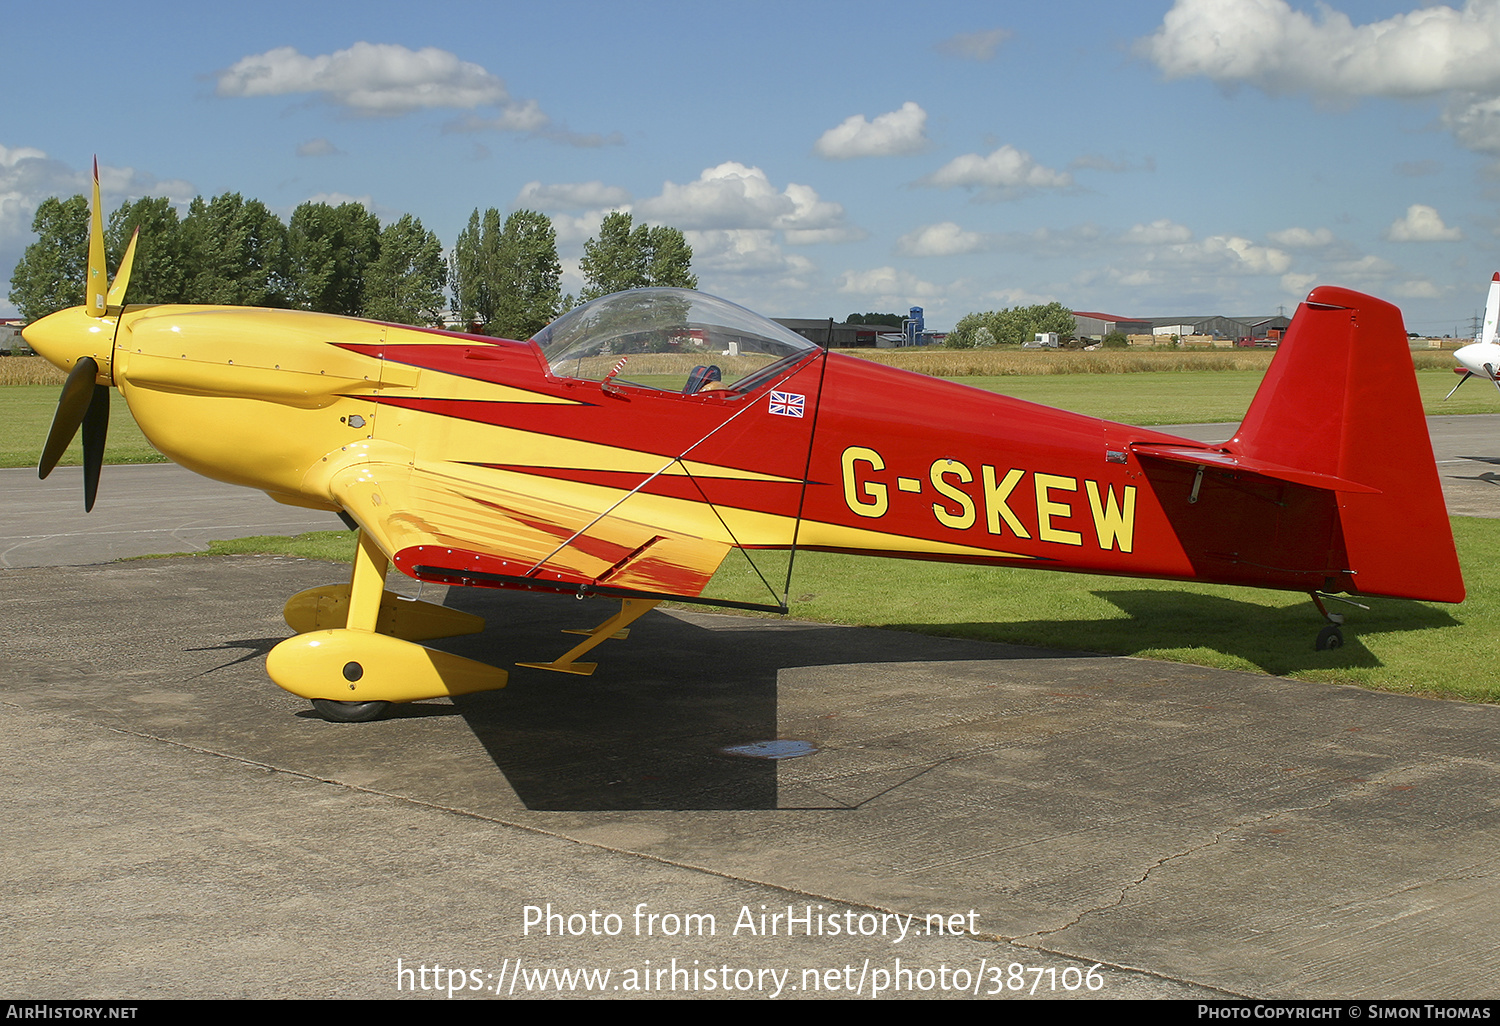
(631, 610)
(362, 660)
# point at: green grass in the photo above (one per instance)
(26, 415)
(1399, 646)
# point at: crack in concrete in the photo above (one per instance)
(1212, 841)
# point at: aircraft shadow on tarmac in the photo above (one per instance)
(1274, 639)
(650, 729)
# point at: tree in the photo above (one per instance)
(158, 272)
(622, 258)
(528, 290)
(405, 284)
(50, 274)
(875, 318)
(670, 264)
(235, 252)
(1011, 326)
(329, 252)
(475, 268)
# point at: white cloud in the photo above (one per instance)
(1241, 256)
(733, 196)
(1158, 232)
(523, 116)
(943, 239)
(1416, 288)
(571, 196)
(1268, 44)
(1302, 238)
(973, 46)
(368, 78)
(894, 134)
(1421, 223)
(317, 148)
(1298, 284)
(884, 286)
(744, 251)
(1004, 174)
(1427, 52)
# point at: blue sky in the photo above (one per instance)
(824, 157)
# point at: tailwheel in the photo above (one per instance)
(1329, 638)
(350, 712)
(1332, 636)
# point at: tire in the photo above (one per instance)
(1329, 638)
(350, 712)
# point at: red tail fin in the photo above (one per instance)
(1340, 399)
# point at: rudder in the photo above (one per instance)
(1340, 399)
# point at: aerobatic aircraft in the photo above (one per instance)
(1482, 357)
(628, 447)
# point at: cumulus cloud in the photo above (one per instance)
(744, 252)
(888, 286)
(571, 196)
(944, 239)
(1004, 174)
(889, 135)
(1302, 238)
(368, 78)
(1298, 284)
(1268, 44)
(1429, 52)
(973, 46)
(1157, 233)
(734, 196)
(387, 80)
(1421, 223)
(317, 148)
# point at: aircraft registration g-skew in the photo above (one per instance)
(630, 445)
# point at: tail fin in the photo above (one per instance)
(1491, 310)
(1340, 399)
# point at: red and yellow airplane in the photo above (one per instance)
(630, 445)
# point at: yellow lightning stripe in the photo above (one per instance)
(465, 441)
(442, 385)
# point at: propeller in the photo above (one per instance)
(85, 401)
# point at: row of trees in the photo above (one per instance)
(1011, 326)
(341, 260)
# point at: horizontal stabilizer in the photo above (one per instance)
(1246, 464)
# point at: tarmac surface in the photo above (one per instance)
(176, 826)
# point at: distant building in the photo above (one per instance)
(1095, 325)
(1211, 328)
(11, 342)
(845, 336)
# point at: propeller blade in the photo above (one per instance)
(72, 406)
(1466, 377)
(97, 285)
(95, 428)
(122, 273)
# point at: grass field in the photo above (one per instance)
(1400, 646)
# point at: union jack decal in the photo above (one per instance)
(788, 404)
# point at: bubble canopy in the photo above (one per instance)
(675, 340)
